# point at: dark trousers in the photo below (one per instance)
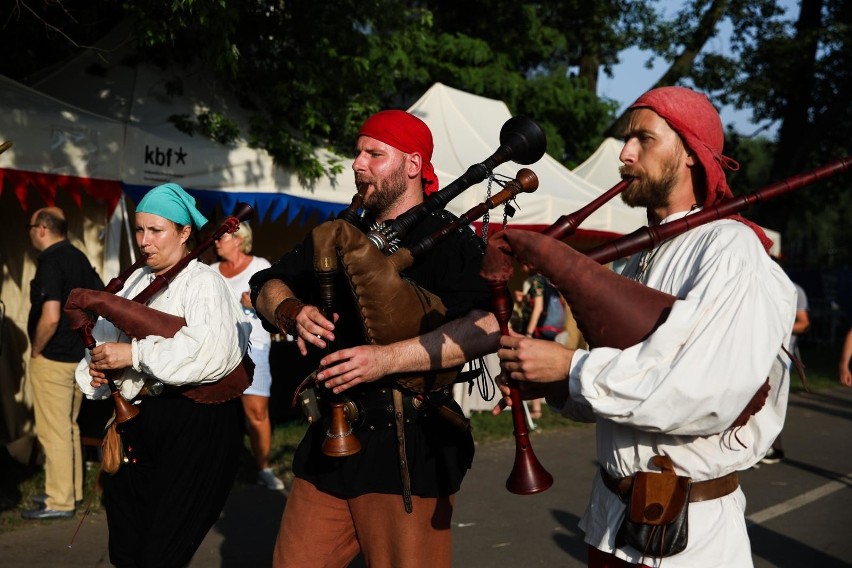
(183, 459)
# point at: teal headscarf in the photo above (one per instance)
(170, 201)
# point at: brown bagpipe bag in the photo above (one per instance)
(139, 321)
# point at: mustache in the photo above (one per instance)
(628, 171)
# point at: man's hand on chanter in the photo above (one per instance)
(538, 365)
(353, 366)
(534, 360)
(314, 328)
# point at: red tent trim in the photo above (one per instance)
(47, 185)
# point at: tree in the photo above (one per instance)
(799, 76)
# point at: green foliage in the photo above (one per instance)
(570, 114)
(212, 125)
(755, 158)
(821, 362)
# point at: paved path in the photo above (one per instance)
(799, 511)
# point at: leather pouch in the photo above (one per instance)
(656, 522)
(112, 451)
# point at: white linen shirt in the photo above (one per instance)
(677, 392)
(208, 347)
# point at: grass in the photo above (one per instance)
(19, 482)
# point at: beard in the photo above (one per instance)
(387, 190)
(646, 191)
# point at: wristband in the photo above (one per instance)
(285, 315)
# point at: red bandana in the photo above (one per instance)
(694, 118)
(408, 134)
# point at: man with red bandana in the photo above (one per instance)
(367, 503)
(675, 395)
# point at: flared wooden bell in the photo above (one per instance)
(124, 411)
(528, 476)
(340, 441)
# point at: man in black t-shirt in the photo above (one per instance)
(340, 506)
(55, 350)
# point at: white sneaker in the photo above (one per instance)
(773, 456)
(266, 478)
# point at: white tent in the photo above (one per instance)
(601, 169)
(466, 130)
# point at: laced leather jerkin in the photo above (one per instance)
(391, 307)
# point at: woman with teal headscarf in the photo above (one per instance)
(182, 456)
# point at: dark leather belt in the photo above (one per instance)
(376, 409)
(699, 490)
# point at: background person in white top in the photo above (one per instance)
(678, 392)
(237, 266)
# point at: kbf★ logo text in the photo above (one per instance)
(157, 157)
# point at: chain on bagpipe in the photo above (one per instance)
(390, 307)
(508, 208)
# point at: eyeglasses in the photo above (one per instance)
(28, 227)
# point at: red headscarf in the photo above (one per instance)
(408, 134)
(696, 120)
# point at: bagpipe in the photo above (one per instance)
(611, 310)
(392, 308)
(138, 321)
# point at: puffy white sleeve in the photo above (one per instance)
(209, 346)
(698, 370)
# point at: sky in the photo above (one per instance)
(631, 78)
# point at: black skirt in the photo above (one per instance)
(182, 461)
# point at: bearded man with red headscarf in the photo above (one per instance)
(394, 510)
(669, 403)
